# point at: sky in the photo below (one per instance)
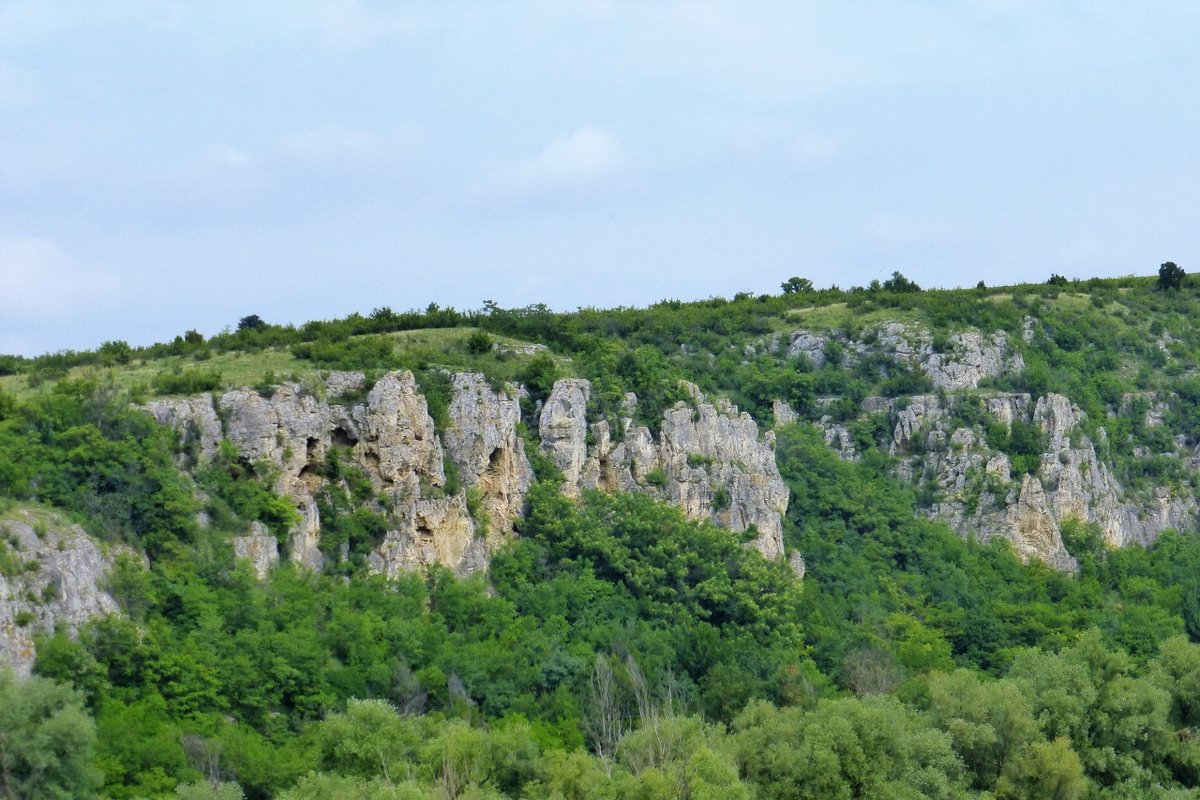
(168, 165)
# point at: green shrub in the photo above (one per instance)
(479, 343)
(178, 380)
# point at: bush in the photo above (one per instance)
(186, 381)
(479, 343)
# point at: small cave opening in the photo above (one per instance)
(343, 438)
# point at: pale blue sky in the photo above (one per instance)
(171, 165)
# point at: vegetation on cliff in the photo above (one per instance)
(616, 648)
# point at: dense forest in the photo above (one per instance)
(617, 648)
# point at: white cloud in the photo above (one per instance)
(36, 277)
(569, 163)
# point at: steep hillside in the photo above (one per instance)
(518, 547)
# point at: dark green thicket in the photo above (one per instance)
(81, 447)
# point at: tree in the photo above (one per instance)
(115, 352)
(796, 285)
(1170, 276)
(46, 741)
(1056, 280)
(900, 284)
(251, 322)
(1045, 771)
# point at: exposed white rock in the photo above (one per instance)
(62, 586)
(563, 428)
(1071, 483)
(838, 437)
(913, 418)
(973, 356)
(304, 544)
(194, 419)
(809, 345)
(709, 460)
(783, 413)
(1034, 530)
(260, 548)
(484, 444)
(340, 383)
(1007, 408)
(393, 440)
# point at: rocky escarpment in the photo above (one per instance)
(708, 459)
(53, 575)
(451, 496)
(393, 440)
(941, 447)
(965, 358)
(973, 487)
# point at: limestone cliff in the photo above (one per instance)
(709, 459)
(392, 438)
(977, 494)
(451, 496)
(54, 577)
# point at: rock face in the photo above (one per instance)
(483, 442)
(57, 581)
(260, 548)
(709, 460)
(972, 485)
(978, 495)
(194, 419)
(563, 428)
(392, 439)
(970, 357)
(450, 497)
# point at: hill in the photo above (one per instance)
(515, 552)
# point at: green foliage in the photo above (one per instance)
(237, 489)
(614, 638)
(795, 285)
(82, 448)
(363, 353)
(114, 353)
(1024, 442)
(1170, 276)
(179, 380)
(479, 342)
(539, 376)
(46, 741)
(900, 284)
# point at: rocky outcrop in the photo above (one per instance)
(970, 357)
(194, 420)
(709, 460)
(783, 414)
(1033, 528)
(978, 496)
(563, 429)
(392, 439)
(54, 578)
(259, 547)
(451, 497)
(973, 357)
(809, 345)
(483, 443)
